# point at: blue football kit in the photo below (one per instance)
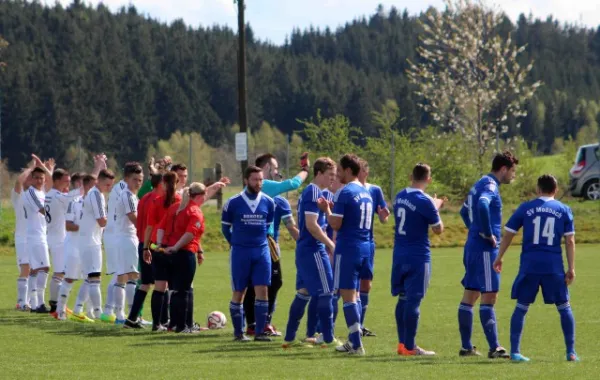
(352, 255)
(312, 262)
(414, 213)
(249, 220)
(483, 210)
(378, 202)
(545, 221)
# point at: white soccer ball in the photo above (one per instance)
(216, 320)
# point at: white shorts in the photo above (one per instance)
(38, 255)
(73, 269)
(91, 259)
(111, 252)
(57, 252)
(127, 248)
(22, 254)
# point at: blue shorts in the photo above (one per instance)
(349, 264)
(313, 272)
(368, 272)
(480, 276)
(250, 266)
(411, 280)
(526, 287)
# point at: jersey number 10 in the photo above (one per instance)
(366, 215)
(546, 232)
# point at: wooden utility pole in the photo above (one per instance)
(242, 98)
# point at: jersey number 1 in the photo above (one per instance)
(546, 232)
(366, 215)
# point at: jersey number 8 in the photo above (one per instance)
(47, 214)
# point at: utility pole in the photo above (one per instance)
(242, 99)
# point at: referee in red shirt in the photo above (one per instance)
(184, 244)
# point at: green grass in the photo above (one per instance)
(40, 347)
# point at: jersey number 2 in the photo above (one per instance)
(546, 232)
(401, 215)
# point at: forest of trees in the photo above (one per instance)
(120, 81)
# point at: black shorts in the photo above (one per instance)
(162, 266)
(146, 273)
(184, 269)
(276, 270)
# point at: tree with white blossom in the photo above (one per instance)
(468, 75)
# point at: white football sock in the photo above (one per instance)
(119, 298)
(82, 297)
(95, 296)
(22, 291)
(42, 279)
(109, 306)
(54, 288)
(130, 293)
(33, 298)
(64, 291)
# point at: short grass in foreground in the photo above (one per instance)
(39, 347)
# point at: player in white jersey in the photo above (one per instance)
(73, 268)
(91, 223)
(37, 244)
(56, 203)
(127, 242)
(22, 183)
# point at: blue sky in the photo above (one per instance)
(274, 19)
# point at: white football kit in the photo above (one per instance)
(111, 244)
(37, 243)
(90, 232)
(73, 267)
(56, 205)
(126, 233)
(20, 228)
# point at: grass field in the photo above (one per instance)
(36, 346)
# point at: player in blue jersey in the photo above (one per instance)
(544, 221)
(351, 217)
(272, 187)
(415, 212)
(366, 277)
(312, 320)
(245, 221)
(482, 214)
(314, 274)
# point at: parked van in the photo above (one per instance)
(585, 173)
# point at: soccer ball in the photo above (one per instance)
(216, 320)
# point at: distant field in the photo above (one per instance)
(36, 346)
(587, 220)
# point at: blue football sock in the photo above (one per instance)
(311, 317)
(359, 307)
(364, 302)
(465, 324)
(411, 322)
(567, 321)
(336, 306)
(400, 317)
(296, 313)
(325, 310)
(261, 310)
(517, 321)
(237, 317)
(487, 315)
(318, 328)
(353, 323)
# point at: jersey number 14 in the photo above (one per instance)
(546, 232)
